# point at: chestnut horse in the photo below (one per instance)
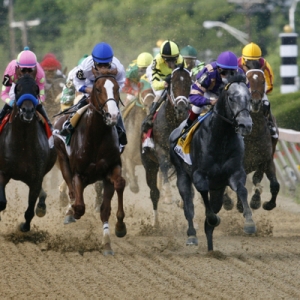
(134, 113)
(94, 155)
(25, 154)
(259, 148)
(170, 114)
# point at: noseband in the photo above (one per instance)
(233, 120)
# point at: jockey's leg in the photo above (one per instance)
(6, 109)
(121, 132)
(68, 127)
(193, 115)
(40, 108)
(267, 113)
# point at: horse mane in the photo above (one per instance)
(104, 72)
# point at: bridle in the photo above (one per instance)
(177, 100)
(232, 121)
(252, 92)
(100, 109)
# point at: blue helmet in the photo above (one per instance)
(102, 53)
(227, 60)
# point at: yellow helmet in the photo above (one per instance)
(251, 52)
(169, 49)
(144, 60)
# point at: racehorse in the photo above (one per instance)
(170, 114)
(25, 154)
(94, 155)
(259, 147)
(217, 151)
(133, 114)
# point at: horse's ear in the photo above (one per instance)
(95, 72)
(114, 71)
(182, 65)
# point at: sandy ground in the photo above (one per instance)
(56, 261)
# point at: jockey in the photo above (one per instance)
(26, 63)
(205, 89)
(134, 72)
(252, 59)
(102, 57)
(161, 68)
(68, 92)
(189, 54)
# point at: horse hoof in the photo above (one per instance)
(255, 202)
(24, 227)
(40, 210)
(135, 189)
(69, 219)
(249, 227)
(192, 241)
(120, 231)
(108, 252)
(269, 205)
(168, 200)
(227, 202)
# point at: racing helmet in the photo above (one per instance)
(144, 60)
(169, 50)
(189, 52)
(26, 59)
(102, 53)
(227, 60)
(50, 64)
(251, 51)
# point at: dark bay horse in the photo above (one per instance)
(171, 113)
(133, 114)
(25, 154)
(94, 155)
(217, 150)
(259, 147)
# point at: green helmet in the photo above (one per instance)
(82, 59)
(188, 52)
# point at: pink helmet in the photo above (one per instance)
(26, 59)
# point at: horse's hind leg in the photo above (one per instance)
(34, 192)
(63, 197)
(99, 195)
(255, 202)
(167, 193)
(40, 210)
(227, 201)
(3, 183)
(274, 187)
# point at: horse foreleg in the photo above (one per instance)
(227, 201)
(78, 206)
(255, 202)
(186, 192)
(3, 182)
(99, 195)
(63, 197)
(274, 187)
(164, 167)
(242, 194)
(130, 172)
(34, 192)
(40, 210)
(119, 186)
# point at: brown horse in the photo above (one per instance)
(259, 147)
(133, 114)
(94, 155)
(169, 116)
(25, 154)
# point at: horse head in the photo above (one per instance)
(256, 80)
(26, 91)
(105, 95)
(180, 88)
(233, 105)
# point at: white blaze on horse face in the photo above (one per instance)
(255, 77)
(112, 105)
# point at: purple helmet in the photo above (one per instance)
(227, 60)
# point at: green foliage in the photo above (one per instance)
(286, 109)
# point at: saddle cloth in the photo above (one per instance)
(183, 146)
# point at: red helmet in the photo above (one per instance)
(50, 64)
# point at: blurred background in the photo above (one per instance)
(70, 29)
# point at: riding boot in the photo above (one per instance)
(6, 109)
(148, 122)
(121, 131)
(40, 108)
(67, 127)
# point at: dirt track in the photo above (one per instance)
(57, 261)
